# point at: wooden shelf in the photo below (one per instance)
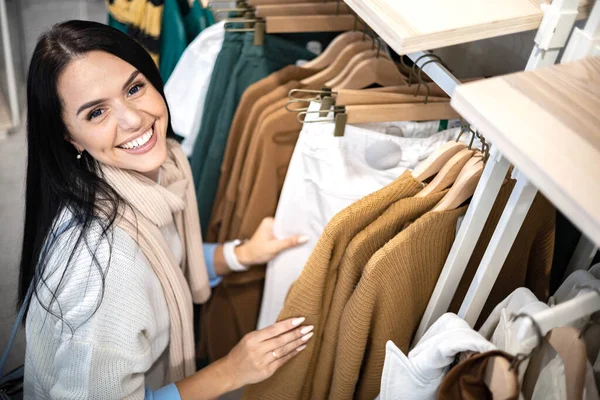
(409, 26)
(547, 123)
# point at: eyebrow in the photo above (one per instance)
(93, 103)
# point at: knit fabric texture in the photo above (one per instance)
(110, 351)
(391, 296)
(154, 206)
(357, 255)
(314, 281)
(389, 301)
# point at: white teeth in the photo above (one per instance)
(140, 141)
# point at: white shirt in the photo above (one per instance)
(188, 84)
(419, 375)
(114, 350)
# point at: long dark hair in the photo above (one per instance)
(55, 177)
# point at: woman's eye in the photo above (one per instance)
(135, 88)
(95, 113)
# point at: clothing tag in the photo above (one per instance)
(314, 47)
(394, 130)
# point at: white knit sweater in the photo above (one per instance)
(113, 352)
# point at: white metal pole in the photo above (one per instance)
(483, 199)
(437, 72)
(585, 42)
(11, 81)
(582, 256)
(558, 21)
(502, 240)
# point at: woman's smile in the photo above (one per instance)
(141, 143)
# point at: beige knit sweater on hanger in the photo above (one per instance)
(391, 296)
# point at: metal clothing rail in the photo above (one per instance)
(559, 18)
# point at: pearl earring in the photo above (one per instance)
(79, 156)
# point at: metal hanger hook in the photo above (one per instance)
(416, 62)
(538, 331)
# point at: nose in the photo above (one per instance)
(129, 117)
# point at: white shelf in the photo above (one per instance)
(409, 26)
(546, 122)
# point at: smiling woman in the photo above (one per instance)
(114, 113)
(112, 249)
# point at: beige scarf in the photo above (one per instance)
(154, 206)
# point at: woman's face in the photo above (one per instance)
(114, 113)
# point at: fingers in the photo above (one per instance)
(278, 328)
(287, 338)
(275, 365)
(293, 343)
(291, 241)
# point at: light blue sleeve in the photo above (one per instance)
(168, 392)
(209, 259)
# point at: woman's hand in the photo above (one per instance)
(263, 246)
(261, 353)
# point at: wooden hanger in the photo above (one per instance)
(311, 23)
(571, 349)
(350, 97)
(363, 55)
(339, 63)
(434, 90)
(448, 174)
(362, 114)
(500, 379)
(261, 2)
(436, 160)
(327, 57)
(464, 187)
(373, 71)
(277, 10)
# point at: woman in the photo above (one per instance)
(112, 250)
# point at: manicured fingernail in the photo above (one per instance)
(306, 337)
(303, 239)
(306, 329)
(298, 321)
(301, 348)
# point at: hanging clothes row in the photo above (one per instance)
(364, 155)
(254, 155)
(163, 27)
(250, 75)
(371, 273)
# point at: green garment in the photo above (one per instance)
(219, 80)
(254, 64)
(196, 19)
(173, 39)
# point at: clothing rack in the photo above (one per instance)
(554, 29)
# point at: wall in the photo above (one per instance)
(28, 19)
(39, 15)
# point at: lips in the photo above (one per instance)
(139, 141)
